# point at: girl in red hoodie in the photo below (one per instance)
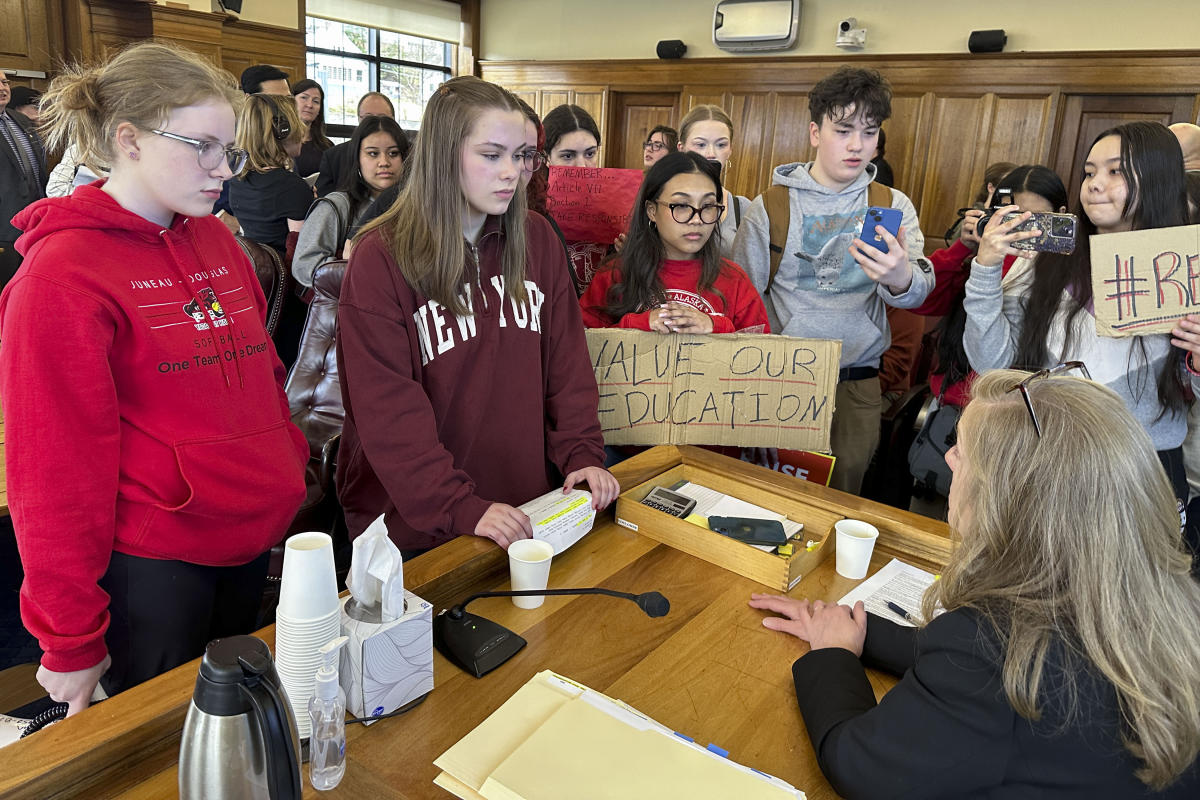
(671, 276)
(150, 458)
(464, 369)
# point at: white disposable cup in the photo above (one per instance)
(529, 568)
(309, 584)
(855, 542)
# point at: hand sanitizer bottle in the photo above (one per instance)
(327, 743)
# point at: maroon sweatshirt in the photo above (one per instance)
(143, 409)
(445, 416)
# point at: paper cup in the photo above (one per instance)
(855, 542)
(529, 568)
(308, 587)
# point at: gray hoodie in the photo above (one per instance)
(820, 291)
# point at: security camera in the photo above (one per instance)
(850, 36)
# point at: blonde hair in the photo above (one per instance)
(423, 228)
(1072, 543)
(256, 131)
(141, 85)
(702, 113)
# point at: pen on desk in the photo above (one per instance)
(900, 611)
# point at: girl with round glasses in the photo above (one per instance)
(670, 276)
(661, 140)
(151, 460)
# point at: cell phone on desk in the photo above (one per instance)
(889, 218)
(750, 531)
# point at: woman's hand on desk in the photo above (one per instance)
(820, 624)
(73, 688)
(603, 485)
(504, 524)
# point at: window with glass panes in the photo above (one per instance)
(350, 60)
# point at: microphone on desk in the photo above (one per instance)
(478, 645)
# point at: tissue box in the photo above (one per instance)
(386, 664)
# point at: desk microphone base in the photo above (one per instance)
(474, 644)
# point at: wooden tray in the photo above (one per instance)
(773, 570)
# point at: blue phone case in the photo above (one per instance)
(889, 218)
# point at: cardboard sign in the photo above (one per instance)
(802, 464)
(740, 389)
(1143, 281)
(590, 204)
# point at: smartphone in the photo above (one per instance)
(1058, 232)
(750, 530)
(889, 218)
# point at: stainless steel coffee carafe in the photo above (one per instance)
(239, 739)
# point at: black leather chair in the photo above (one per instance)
(268, 267)
(315, 397)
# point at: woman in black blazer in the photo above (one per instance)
(1067, 661)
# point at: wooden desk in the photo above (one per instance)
(708, 669)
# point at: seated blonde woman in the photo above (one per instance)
(1067, 661)
(268, 198)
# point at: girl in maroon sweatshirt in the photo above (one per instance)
(465, 373)
(670, 276)
(151, 463)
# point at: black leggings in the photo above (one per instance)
(164, 613)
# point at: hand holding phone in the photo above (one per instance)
(889, 218)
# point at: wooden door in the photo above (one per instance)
(1086, 116)
(632, 117)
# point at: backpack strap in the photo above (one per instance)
(879, 195)
(332, 200)
(737, 211)
(779, 218)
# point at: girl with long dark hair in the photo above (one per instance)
(381, 147)
(1041, 313)
(670, 276)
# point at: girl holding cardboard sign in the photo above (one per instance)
(671, 277)
(1041, 313)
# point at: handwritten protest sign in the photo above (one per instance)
(742, 389)
(592, 205)
(1143, 281)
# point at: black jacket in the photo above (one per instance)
(15, 190)
(947, 729)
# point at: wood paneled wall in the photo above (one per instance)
(951, 115)
(45, 33)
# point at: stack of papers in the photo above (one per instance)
(897, 582)
(561, 519)
(555, 738)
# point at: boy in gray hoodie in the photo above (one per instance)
(830, 284)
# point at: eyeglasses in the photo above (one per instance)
(209, 153)
(683, 213)
(534, 159)
(1023, 386)
(653, 146)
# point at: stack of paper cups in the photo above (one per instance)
(308, 618)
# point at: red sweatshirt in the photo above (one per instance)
(951, 268)
(143, 409)
(445, 416)
(737, 308)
